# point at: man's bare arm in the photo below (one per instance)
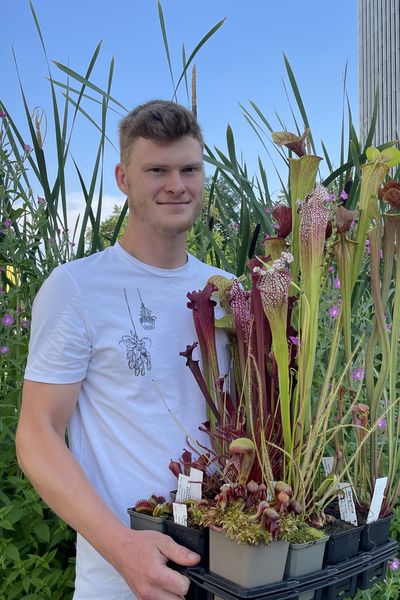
(44, 457)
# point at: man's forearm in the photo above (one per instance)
(61, 482)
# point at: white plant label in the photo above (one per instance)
(346, 504)
(196, 480)
(183, 491)
(377, 499)
(327, 464)
(179, 512)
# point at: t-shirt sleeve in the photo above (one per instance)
(60, 344)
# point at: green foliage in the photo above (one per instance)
(36, 548)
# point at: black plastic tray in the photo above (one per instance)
(330, 583)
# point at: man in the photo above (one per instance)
(104, 362)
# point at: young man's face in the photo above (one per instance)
(164, 182)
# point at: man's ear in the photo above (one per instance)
(120, 178)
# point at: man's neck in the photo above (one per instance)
(164, 252)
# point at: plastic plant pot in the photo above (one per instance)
(375, 534)
(191, 537)
(139, 521)
(245, 564)
(342, 546)
(303, 559)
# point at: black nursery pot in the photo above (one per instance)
(375, 534)
(194, 539)
(141, 522)
(342, 546)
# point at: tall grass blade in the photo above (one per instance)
(166, 46)
(197, 48)
(74, 75)
(298, 98)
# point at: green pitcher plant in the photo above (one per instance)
(295, 407)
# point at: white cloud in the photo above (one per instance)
(76, 206)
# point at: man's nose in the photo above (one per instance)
(174, 183)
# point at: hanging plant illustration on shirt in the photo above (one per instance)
(146, 317)
(137, 350)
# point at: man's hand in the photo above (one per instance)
(142, 562)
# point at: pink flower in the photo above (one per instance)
(294, 339)
(333, 311)
(344, 195)
(394, 564)
(331, 269)
(336, 283)
(382, 423)
(2, 114)
(4, 349)
(7, 223)
(7, 320)
(330, 197)
(27, 148)
(41, 200)
(358, 374)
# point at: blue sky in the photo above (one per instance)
(243, 61)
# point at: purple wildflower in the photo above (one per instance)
(368, 246)
(358, 374)
(294, 339)
(2, 114)
(336, 283)
(333, 311)
(4, 349)
(41, 200)
(27, 148)
(330, 197)
(8, 319)
(25, 323)
(7, 223)
(331, 269)
(394, 564)
(382, 423)
(344, 195)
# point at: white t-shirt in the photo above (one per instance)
(118, 325)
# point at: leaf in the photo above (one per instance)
(42, 531)
(391, 156)
(12, 552)
(372, 154)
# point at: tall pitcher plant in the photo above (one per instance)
(273, 330)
